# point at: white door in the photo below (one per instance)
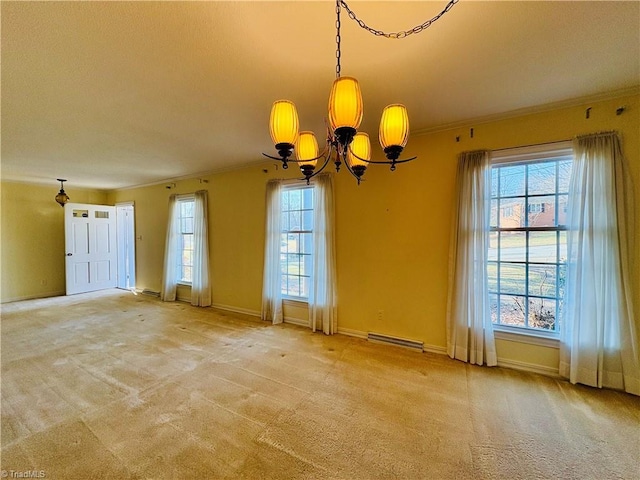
(90, 240)
(126, 246)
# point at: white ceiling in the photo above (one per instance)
(115, 94)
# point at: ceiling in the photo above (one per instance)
(116, 94)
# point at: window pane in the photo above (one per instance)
(512, 309)
(307, 220)
(186, 274)
(295, 199)
(293, 283)
(542, 313)
(542, 178)
(542, 247)
(541, 211)
(493, 245)
(283, 263)
(285, 200)
(513, 246)
(304, 286)
(494, 181)
(562, 243)
(562, 209)
(187, 242)
(293, 264)
(285, 222)
(492, 273)
(493, 221)
(305, 265)
(493, 306)
(307, 200)
(512, 213)
(512, 278)
(186, 257)
(564, 175)
(542, 280)
(512, 180)
(307, 242)
(295, 220)
(187, 225)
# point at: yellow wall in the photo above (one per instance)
(32, 239)
(392, 231)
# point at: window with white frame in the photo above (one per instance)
(528, 240)
(296, 241)
(185, 240)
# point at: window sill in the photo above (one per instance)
(541, 339)
(295, 302)
(183, 284)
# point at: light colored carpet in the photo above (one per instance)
(112, 385)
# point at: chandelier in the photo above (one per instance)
(62, 196)
(344, 143)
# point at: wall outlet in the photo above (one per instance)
(380, 314)
(43, 282)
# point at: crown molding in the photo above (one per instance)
(572, 102)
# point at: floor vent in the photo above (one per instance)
(146, 291)
(399, 342)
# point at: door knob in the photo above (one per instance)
(69, 254)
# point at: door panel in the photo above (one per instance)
(91, 259)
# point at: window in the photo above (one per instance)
(528, 240)
(185, 240)
(296, 241)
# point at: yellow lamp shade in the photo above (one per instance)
(345, 103)
(394, 126)
(283, 123)
(360, 146)
(307, 149)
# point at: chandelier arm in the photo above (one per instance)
(326, 162)
(381, 162)
(289, 160)
(402, 33)
(389, 162)
(352, 172)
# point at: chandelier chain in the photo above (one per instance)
(400, 34)
(338, 53)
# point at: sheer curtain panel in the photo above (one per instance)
(469, 328)
(169, 274)
(598, 344)
(322, 294)
(271, 284)
(200, 286)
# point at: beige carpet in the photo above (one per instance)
(112, 385)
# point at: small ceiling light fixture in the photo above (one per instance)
(62, 196)
(344, 143)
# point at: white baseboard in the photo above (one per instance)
(435, 349)
(352, 333)
(296, 321)
(529, 367)
(229, 308)
(34, 297)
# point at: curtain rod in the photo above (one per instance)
(531, 145)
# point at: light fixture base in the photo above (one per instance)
(344, 135)
(393, 152)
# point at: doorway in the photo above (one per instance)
(126, 245)
(90, 258)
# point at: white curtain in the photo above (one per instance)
(322, 294)
(272, 280)
(200, 286)
(169, 275)
(598, 339)
(469, 328)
